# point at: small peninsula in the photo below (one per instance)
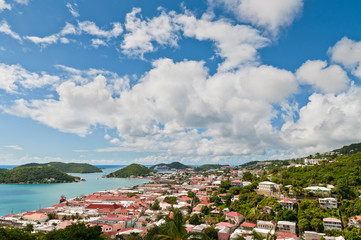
(67, 167)
(36, 174)
(134, 169)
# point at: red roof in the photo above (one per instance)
(225, 224)
(234, 214)
(284, 235)
(248, 224)
(104, 206)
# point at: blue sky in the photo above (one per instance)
(223, 81)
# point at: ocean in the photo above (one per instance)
(16, 198)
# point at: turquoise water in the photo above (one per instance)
(16, 198)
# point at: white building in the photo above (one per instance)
(332, 223)
(286, 226)
(328, 203)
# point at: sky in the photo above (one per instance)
(207, 81)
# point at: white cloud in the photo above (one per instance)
(326, 122)
(107, 136)
(44, 41)
(4, 5)
(328, 79)
(13, 75)
(92, 29)
(6, 29)
(270, 14)
(168, 106)
(23, 2)
(143, 33)
(72, 9)
(14, 147)
(348, 53)
(237, 44)
(98, 42)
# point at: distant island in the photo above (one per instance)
(67, 167)
(206, 167)
(173, 165)
(134, 169)
(35, 174)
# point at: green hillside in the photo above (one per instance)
(351, 149)
(2, 169)
(68, 167)
(39, 174)
(131, 170)
(206, 167)
(173, 165)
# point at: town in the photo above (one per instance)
(223, 203)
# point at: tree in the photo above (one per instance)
(77, 231)
(195, 219)
(155, 206)
(205, 210)
(29, 228)
(211, 233)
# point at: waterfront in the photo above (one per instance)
(15, 198)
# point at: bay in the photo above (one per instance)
(16, 198)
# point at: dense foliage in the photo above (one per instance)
(72, 232)
(345, 173)
(3, 169)
(68, 167)
(131, 170)
(35, 175)
(351, 149)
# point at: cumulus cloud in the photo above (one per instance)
(170, 106)
(347, 53)
(23, 2)
(6, 29)
(328, 79)
(4, 5)
(327, 121)
(237, 44)
(270, 14)
(142, 33)
(11, 76)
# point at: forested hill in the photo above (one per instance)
(131, 170)
(39, 174)
(68, 167)
(2, 169)
(351, 149)
(206, 167)
(345, 171)
(173, 165)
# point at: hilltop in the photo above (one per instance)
(206, 167)
(173, 165)
(36, 174)
(131, 170)
(67, 167)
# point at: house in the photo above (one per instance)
(248, 226)
(234, 217)
(354, 221)
(269, 189)
(286, 236)
(35, 216)
(328, 203)
(223, 232)
(286, 226)
(287, 203)
(332, 223)
(237, 183)
(265, 227)
(319, 190)
(310, 235)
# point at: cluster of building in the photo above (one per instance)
(128, 210)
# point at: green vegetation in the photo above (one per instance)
(67, 167)
(206, 167)
(28, 175)
(72, 232)
(3, 169)
(345, 173)
(131, 170)
(351, 149)
(173, 165)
